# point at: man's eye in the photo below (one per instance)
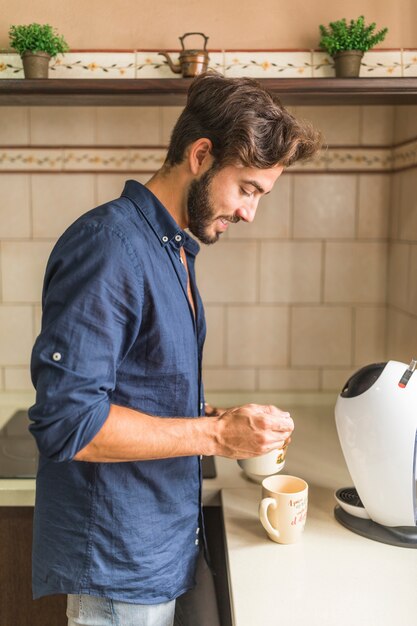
(244, 192)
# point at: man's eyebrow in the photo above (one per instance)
(255, 184)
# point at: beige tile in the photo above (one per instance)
(377, 127)
(335, 379)
(58, 199)
(22, 269)
(290, 272)
(128, 126)
(62, 126)
(407, 228)
(321, 335)
(214, 347)
(402, 336)
(374, 206)
(355, 272)
(110, 186)
(324, 205)
(37, 318)
(405, 125)
(17, 379)
(395, 201)
(370, 335)
(14, 126)
(15, 335)
(398, 268)
(272, 220)
(412, 290)
(227, 272)
(340, 125)
(169, 116)
(14, 206)
(229, 379)
(288, 380)
(257, 336)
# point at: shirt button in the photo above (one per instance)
(56, 356)
(197, 531)
(181, 260)
(201, 457)
(196, 542)
(178, 238)
(164, 238)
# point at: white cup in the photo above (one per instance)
(283, 508)
(258, 467)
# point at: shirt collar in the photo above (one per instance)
(158, 217)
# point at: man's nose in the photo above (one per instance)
(247, 214)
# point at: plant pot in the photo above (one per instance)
(347, 63)
(36, 64)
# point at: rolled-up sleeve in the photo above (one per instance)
(92, 302)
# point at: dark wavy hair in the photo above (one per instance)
(246, 124)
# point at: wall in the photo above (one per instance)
(294, 301)
(402, 286)
(233, 24)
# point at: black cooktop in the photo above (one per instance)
(19, 454)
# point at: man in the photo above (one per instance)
(119, 414)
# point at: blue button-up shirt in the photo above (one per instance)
(117, 328)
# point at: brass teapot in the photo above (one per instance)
(191, 62)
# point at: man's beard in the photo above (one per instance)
(201, 212)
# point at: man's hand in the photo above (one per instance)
(252, 430)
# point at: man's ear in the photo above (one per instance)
(199, 156)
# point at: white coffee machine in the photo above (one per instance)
(376, 419)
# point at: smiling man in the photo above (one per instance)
(120, 417)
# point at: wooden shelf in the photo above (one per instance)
(172, 91)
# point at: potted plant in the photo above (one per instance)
(346, 43)
(36, 44)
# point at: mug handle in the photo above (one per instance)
(263, 516)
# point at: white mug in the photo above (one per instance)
(258, 467)
(283, 508)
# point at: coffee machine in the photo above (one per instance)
(376, 420)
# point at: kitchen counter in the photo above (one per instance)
(332, 576)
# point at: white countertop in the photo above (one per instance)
(333, 577)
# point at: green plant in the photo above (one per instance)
(36, 38)
(340, 36)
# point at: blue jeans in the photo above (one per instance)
(83, 610)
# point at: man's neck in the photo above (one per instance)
(171, 189)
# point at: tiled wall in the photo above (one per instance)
(402, 284)
(294, 301)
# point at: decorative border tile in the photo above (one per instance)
(93, 65)
(269, 64)
(405, 156)
(258, 64)
(323, 65)
(410, 62)
(363, 159)
(91, 159)
(380, 63)
(11, 66)
(47, 160)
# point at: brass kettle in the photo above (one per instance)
(191, 62)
